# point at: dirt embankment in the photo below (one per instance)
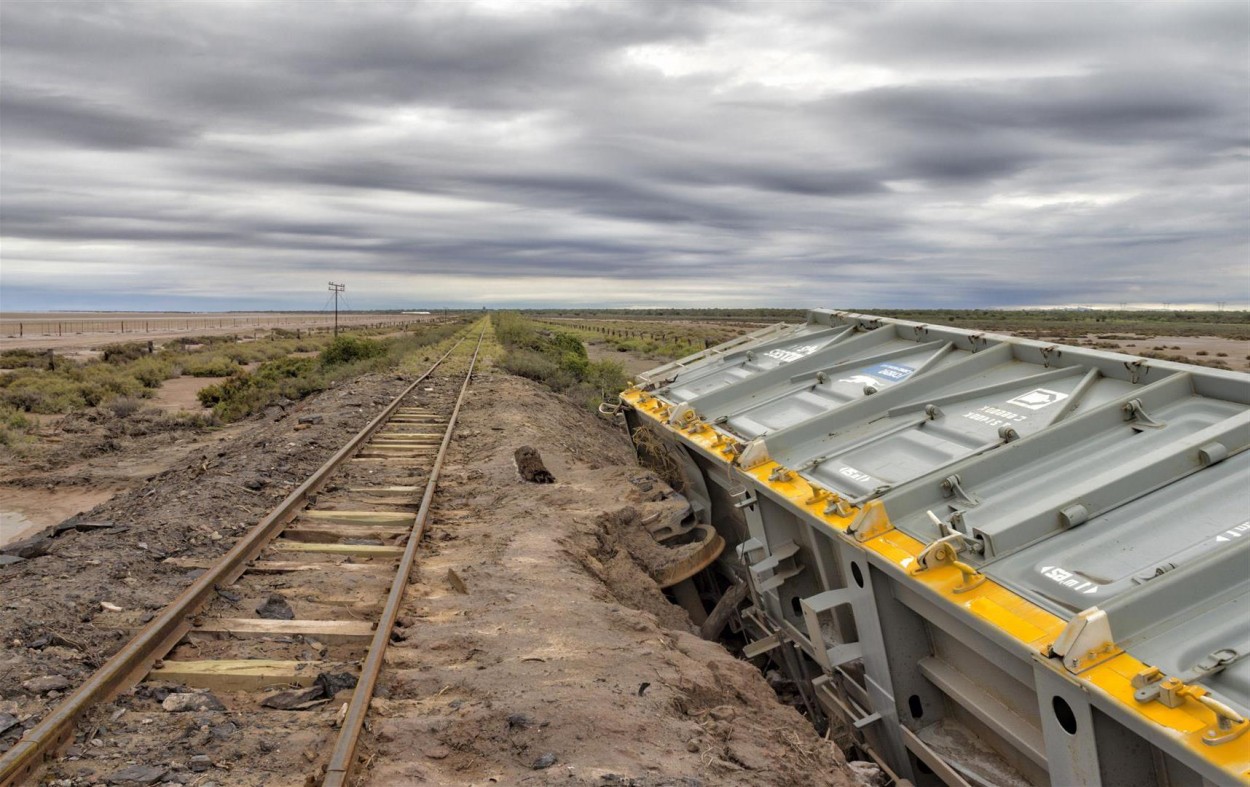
(562, 662)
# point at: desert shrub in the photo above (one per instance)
(18, 359)
(126, 351)
(513, 330)
(151, 371)
(14, 426)
(1202, 352)
(347, 349)
(557, 359)
(207, 341)
(34, 391)
(245, 394)
(533, 365)
(125, 406)
(207, 365)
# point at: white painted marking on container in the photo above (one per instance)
(1038, 398)
(785, 356)
(1068, 579)
(1234, 532)
(854, 475)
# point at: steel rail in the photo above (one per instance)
(128, 666)
(343, 759)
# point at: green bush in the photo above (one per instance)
(557, 359)
(126, 351)
(347, 349)
(17, 359)
(245, 394)
(538, 367)
(151, 371)
(207, 365)
(13, 425)
(42, 391)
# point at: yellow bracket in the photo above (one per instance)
(872, 521)
(1153, 685)
(818, 494)
(945, 552)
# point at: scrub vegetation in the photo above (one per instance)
(293, 378)
(557, 358)
(258, 372)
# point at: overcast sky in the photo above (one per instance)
(240, 155)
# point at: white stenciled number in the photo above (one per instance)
(1068, 579)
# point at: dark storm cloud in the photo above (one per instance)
(35, 118)
(630, 153)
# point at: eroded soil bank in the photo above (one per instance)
(562, 662)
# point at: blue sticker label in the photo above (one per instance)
(892, 372)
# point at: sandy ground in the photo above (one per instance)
(179, 394)
(563, 663)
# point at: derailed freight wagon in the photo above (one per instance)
(989, 560)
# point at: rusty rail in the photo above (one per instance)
(128, 666)
(343, 759)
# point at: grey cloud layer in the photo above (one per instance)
(625, 153)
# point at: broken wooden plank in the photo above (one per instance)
(406, 435)
(237, 674)
(355, 550)
(359, 517)
(406, 456)
(324, 630)
(716, 621)
(282, 566)
(386, 491)
(330, 533)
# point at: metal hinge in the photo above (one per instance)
(1136, 412)
(1153, 686)
(945, 552)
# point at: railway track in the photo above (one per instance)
(275, 649)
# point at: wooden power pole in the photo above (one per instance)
(336, 289)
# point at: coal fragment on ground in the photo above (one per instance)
(296, 699)
(7, 720)
(519, 720)
(138, 774)
(276, 608)
(191, 701)
(530, 465)
(544, 762)
(200, 763)
(333, 683)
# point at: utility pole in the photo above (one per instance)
(336, 289)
